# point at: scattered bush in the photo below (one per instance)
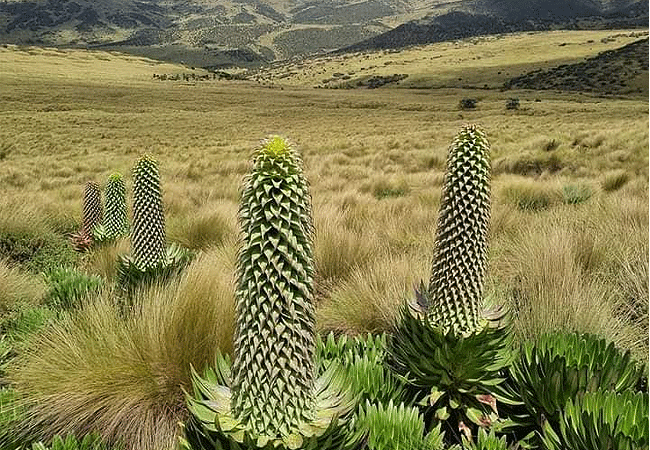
(512, 103)
(468, 103)
(575, 194)
(614, 181)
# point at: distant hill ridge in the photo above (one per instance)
(455, 25)
(218, 33)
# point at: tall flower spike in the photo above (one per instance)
(273, 371)
(92, 208)
(148, 237)
(456, 285)
(115, 221)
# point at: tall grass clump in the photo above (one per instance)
(369, 300)
(613, 181)
(208, 227)
(340, 249)
(123, 377)
(18, 287)
(563, 273)
(29, 240)
(530, 195)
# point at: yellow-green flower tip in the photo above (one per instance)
(275, 146)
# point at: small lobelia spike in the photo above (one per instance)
(115, 221)
(455, 288)
(148, 236)
(92, 208)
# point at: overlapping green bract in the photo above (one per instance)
(92, 208)
(397, 427)
(275, 314)
(150, 260)
(602, 420)
(148, 236)
(558, 367)
(456, 285)
(362, 361)
(115, 223)
(449, 348)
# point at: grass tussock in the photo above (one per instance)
(209, 227)
(578, 272)
(369, 301)
(29, 239)
(102, 260)
(615, 180)
(531, 195)
(18, 288)
(121, 377)
(339, 249)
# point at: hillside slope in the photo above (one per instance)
(620, 71)
(218, 33)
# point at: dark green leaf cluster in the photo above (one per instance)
(453, 376)
(89, 442)
(397, 427)
(131, 276)
(602, 421)
(559, 367)
(362, 360)
(487, 441)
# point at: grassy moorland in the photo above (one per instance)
(568, 238)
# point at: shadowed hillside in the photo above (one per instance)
(620, 71)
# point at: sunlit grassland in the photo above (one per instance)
(375, 161)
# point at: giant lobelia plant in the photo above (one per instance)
(115, 223)
(151, 259)
(92, 216)
(447, 346)
(271, 397)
